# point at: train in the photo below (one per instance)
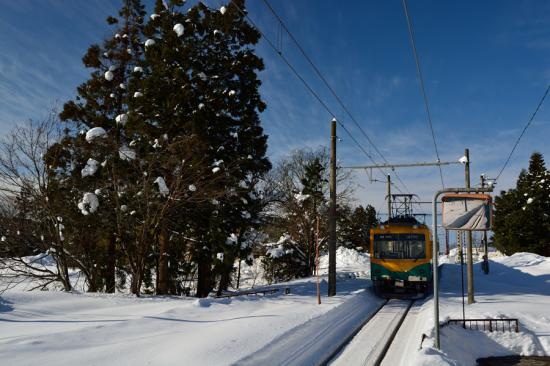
(401, 258)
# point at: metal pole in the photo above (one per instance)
(332, 213)
(485, 249)
(392, 166)
(317, 262)
(389, 197)
(435, 255)
(469, 251)
(461, 252)
(435, 251)
(447, 251)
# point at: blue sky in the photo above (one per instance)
(485, 66)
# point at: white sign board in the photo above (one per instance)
(467, 212)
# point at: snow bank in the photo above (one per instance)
(523, 259)
(346, 258)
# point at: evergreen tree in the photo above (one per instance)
(200, 87)
(522, 214)
(361, 221)
(92, 163)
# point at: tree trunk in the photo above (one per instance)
(204, 283)
(136, 284)
(225, 279)
(109, 275)
(137, 279)
(63, 270)
(162, 281)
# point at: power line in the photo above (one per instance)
(523, 132)
(307, 86)
(422, 87)
(329, 87)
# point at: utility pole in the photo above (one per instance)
(469, 252)
(485, 249)
(389, 198)
(332, 213)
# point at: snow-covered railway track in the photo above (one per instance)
(370, 344)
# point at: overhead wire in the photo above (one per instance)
(307, 86)
(523, 132)
(329, 87)
(422, 86)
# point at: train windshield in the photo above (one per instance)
(399, 246)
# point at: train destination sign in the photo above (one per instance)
(467, 212)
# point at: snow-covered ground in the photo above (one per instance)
(516, 287)
(55, 328)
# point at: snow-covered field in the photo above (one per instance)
(55, 328)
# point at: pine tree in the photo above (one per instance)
(92, 162)
(200, 88)
(522, 215)
(361, 221)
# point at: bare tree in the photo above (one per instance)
(33, 223)
(297, 193)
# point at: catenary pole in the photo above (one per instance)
(332, 213)
(389, 197)
(469, 251)
(485, 249)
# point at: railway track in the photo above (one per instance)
(371, 343)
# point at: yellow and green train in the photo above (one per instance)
(401, 259)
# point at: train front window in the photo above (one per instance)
(399, 246)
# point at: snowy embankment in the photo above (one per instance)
(55, 328)
(516, 287)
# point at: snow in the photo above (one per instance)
(109, 75)
(138, 94)
(178, 28)
(231, 93)
(232, 239)
(149, 43)
(192, 187)
(138, 69)
(154, 16)
(301, 197)
(121, 119)
(118, 329)
(223, 9)
(95, 133)
(530, 200)
(163, 188)
(125, 153)
(215, 169)
(463, 160)
(219, 256)
(276, 252)
(90, 168)
(89, 204)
